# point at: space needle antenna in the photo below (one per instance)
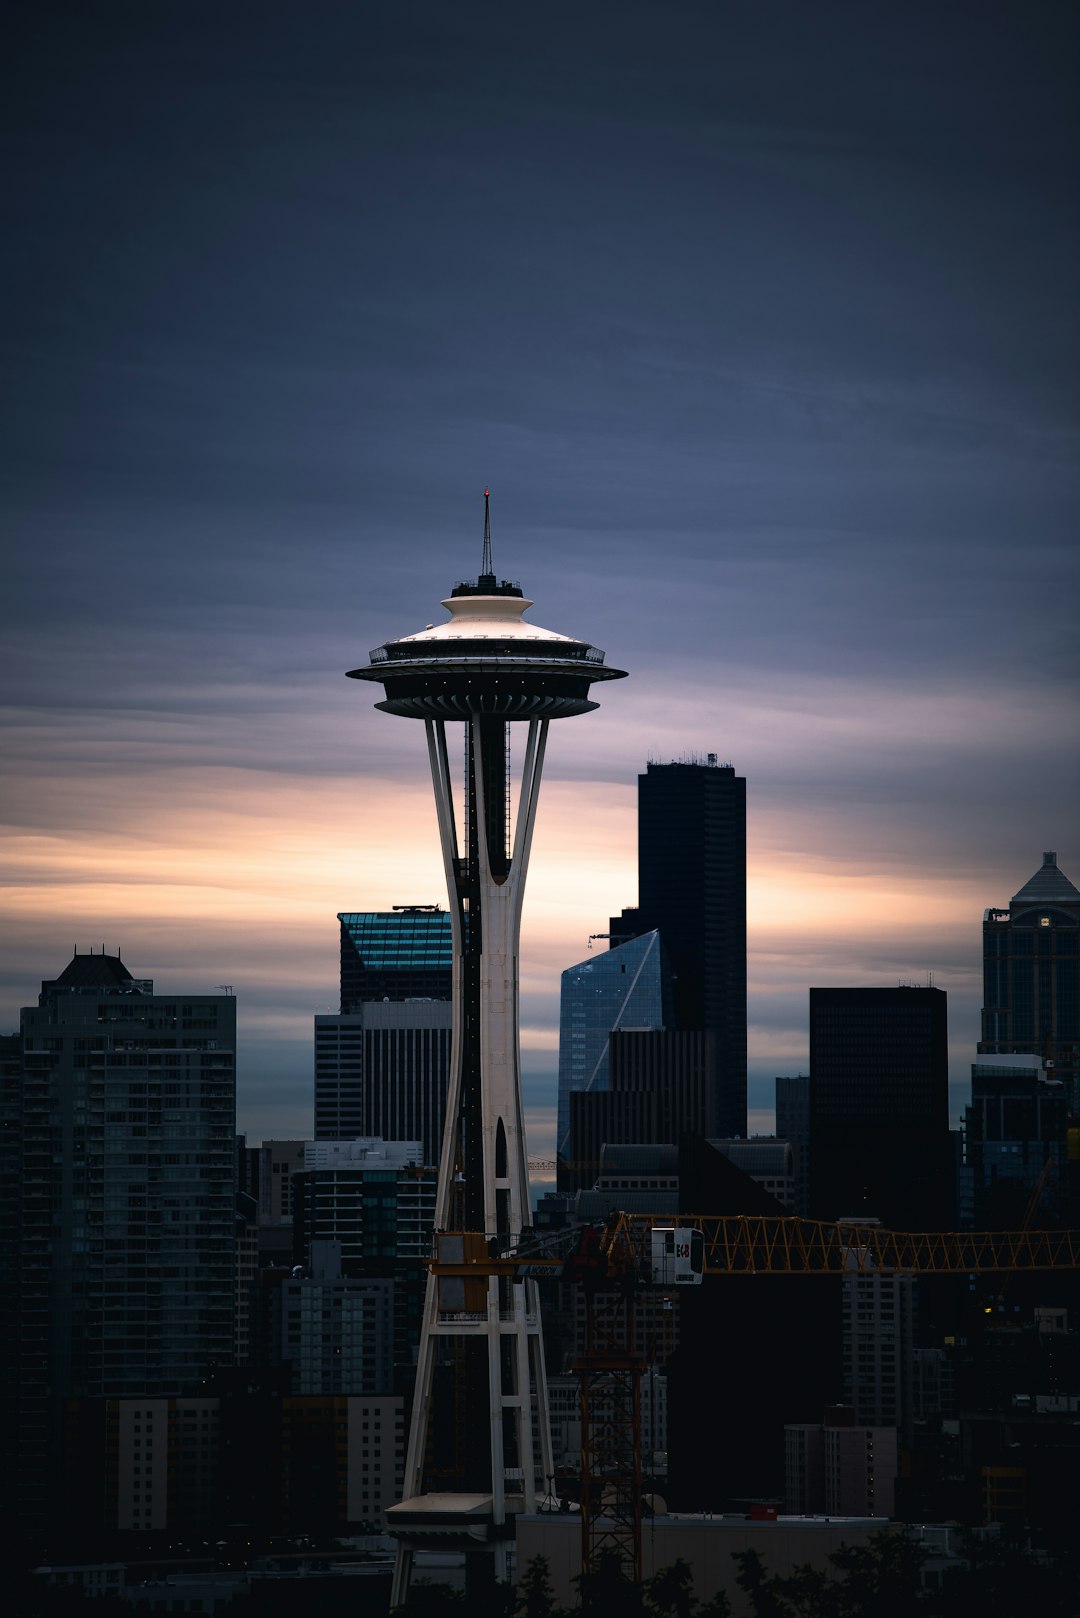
(487, 570)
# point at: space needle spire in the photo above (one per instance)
(486, 667)
(487, 570)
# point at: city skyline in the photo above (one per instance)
(761, 330)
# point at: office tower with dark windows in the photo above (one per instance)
(879, 1350)
(769, 1162)
(692, 888)
(1016, 1146)
(1031, 977)
(661, 1089)
(793, 1125)
(384, 1069)
(628, 986)
(126, 1197)
(879, 1117)
(401, 954)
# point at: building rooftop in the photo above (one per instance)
(93, 971)
(1049, 885)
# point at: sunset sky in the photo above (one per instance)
(758, 318)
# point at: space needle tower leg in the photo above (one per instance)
(486, 668)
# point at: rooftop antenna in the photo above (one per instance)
(487, 570)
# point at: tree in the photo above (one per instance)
(761, 1587)
(670, 1594)
(607, 1593)
(535, 1596)
(431, 1601)
(881, 1577)
(877, 1580)
(671, 1591)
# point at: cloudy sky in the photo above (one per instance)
(758, 317)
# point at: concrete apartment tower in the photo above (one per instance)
(125, 1221)
(486, 668)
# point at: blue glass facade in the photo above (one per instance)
(628, 987)
(403, 954)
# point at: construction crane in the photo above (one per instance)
(631, 1248)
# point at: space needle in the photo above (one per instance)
(488, 1457)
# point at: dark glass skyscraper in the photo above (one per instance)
(626, 987)
(1031, 977)
(382, 1067)
(400, 954)
(879, 1110)
(692, 888)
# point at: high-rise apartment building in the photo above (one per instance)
(692, 888)
(401, 954)
(628, 986)
(879, 1117)
(1031, 976)
(126, 1197)
(879, 1350)
(334, 1332)
(376, 1200)
(840, 1467)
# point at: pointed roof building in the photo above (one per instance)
(1048, 886)
(1031, 978)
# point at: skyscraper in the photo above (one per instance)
(793, 1125)
(1031, 976)
(628, 986)
(1015, 1143)
(692, 888)
(661, 1089)
(488, 667)
(384, 1069)
(406, 953)
(879, 1113)
(126, 1245)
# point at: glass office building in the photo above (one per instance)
(628, 987)
(1031, 977)
(402, 954)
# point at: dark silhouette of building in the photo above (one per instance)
(1031, 977)
(1015, 1146)
(879, 1118)
(126, 1238)
(661, 1087)
(692, 887)
(793, 1125)
(755, 1352)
